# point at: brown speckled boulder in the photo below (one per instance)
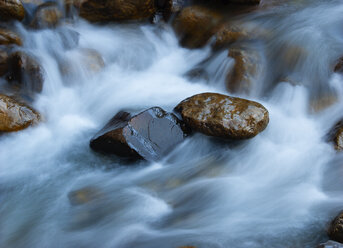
(149, 135)
(195, 25)
(15, 116)
(116, 10)
(335, 231)
(11, 10)
(223, 116)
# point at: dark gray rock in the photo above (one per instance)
(150, 134)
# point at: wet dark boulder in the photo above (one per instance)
(339, 66)
(150, 135)
(169, 7)
(15, 116)
(8, 37)
(116, 10)
(335, 231)
(330, 244)
(11, 10)
(25, 72)
(195, 25)
(47, 15)
(223, 116)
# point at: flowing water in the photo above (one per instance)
(279, 189)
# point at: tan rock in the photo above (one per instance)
(15, 116)
(8, 37)
(223, 116)
(231, 33)
(47, 15)
(11, 10)
(195, 25)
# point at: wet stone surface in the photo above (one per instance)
(149, 135)
(224, 116)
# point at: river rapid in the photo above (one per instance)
(279, 189)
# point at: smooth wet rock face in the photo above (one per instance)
(149, 135)
(223, 116)
(8, 37)
(195, 25)
(26, 72)
(15, 116)
(330, 244)
(116, 10)
(47, 15)
(11, 10)
(335, 231)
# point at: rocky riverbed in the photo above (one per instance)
(171, 123)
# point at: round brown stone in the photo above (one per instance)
(15, 116)
(224, 116)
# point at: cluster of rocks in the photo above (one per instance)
(154, 132)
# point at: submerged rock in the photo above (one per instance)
(47, 15)
(149, 135)
(15, 116)
(8, 37)
(25, 71)
(339, 66)
(246, 69)
(195, 25)
(89, 60)
(335, 231)
(84, 195)
(11, 10)
(224, 116)
(330, 244)
(116, 10)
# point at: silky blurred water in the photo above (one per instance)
(279, 189)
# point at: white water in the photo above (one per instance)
(279, 189)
